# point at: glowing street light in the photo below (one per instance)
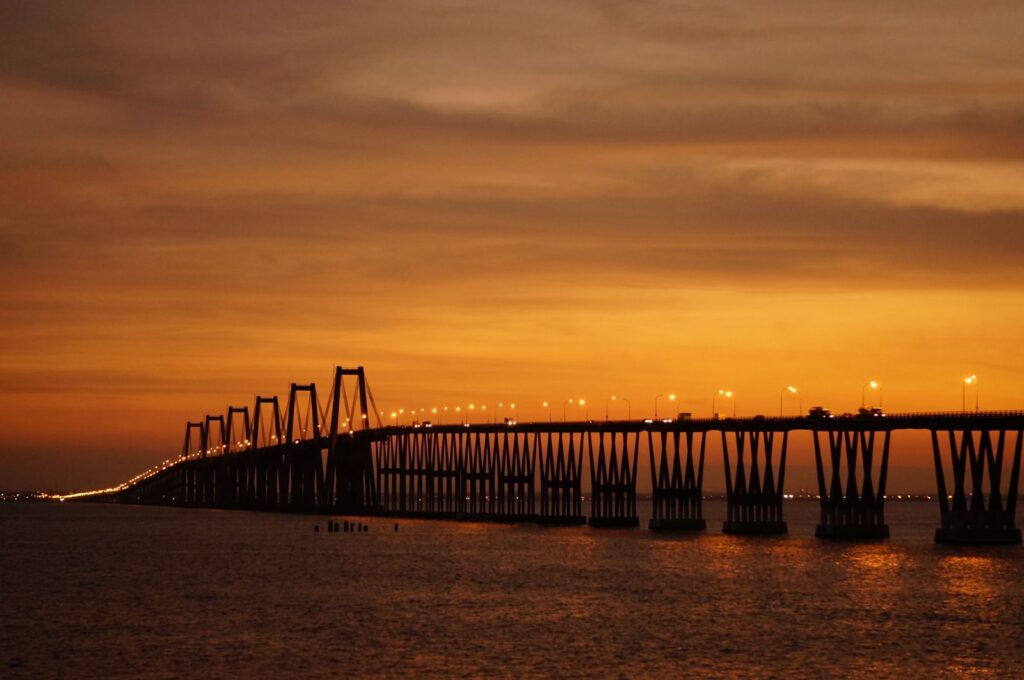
(586, 406)
(970, 380)
(671, 397)
(548, 407)
(458, 409)
(469, 416)
(722, 393)
(873, 384)
(567, 401)
(629, 406)
(791, 390)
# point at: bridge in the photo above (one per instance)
(327, 456)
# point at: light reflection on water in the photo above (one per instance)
(101, 590)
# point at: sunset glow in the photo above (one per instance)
(201, 203)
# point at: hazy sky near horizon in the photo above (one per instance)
(498, 201)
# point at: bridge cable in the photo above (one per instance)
(344, 400)
(352, 411)
(323, 411)
(373, 402)
(305, 418)
(349, 408)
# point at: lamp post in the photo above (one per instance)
(629, 406)
(724, 393)
(970, 380)
(567, 401)
(458, 410)
(547, 405)
(586, 406)
(791, 390)
(873, 384)
(671, 397)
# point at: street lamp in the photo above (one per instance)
(791, 390)
(971, 380)
(548, 407)
(458, 409)
(469, 415)
(723, 393)
(567, 401)
(629, 406)
(671, 397)
(586, 406)
(873, 384)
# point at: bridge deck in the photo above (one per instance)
(994, 420)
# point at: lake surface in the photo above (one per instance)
(123, 591)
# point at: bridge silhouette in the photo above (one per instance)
(328, 457)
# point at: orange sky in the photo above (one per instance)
(200, 203)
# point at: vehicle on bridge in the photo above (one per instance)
(873, 412)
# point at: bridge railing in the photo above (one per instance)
(954, 414)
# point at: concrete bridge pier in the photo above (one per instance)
(613, 479)
(356, 488)
(677, 487)
(516, 469)
(193, 445)
(561, 473)
(858, 510)
(304, 480)
(268, 477)
(753, 498)
(351, 484)
(970, 514)
(391, 462)
(244, 475)
(186, 483)
(478, 484)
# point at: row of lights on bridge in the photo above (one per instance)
(464, 415)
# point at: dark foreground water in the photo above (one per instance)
(120, 591)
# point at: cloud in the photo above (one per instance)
(209, 200)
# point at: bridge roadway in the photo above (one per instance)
(535, 472)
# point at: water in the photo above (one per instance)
(121, 591)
